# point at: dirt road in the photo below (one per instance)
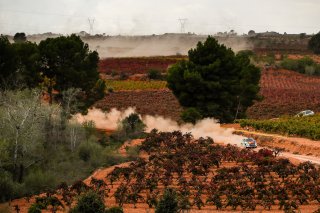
(300, 149)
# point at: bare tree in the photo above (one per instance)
(21, 122)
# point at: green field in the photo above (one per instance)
(118, 85)
(308, 127)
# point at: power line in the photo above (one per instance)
(91, 24)
(183, 22)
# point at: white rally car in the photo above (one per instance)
(249, 143)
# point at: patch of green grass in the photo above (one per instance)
(118, 85)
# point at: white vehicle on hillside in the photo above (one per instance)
(249, 143)
(305, 113)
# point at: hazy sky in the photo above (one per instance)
(150, 16)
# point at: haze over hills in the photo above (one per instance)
(179, 44)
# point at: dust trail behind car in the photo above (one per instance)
(204, 128)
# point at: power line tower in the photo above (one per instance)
(183, 22)
(91, 23)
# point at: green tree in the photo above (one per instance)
(27, 70)
(20, 37)
(154, 74)
(89, 202)
(8, 63)
(71, 64)
(168, 202)
(21, 124)
(19, 64)
(132, 126)
(191, 115)
(314, 43)
(215, 81)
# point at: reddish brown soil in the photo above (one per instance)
(286, 93)
(137, 65)
(142, 207)
(148, 102)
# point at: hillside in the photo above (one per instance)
(205, 175)
(285, 92)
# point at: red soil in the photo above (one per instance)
(286, 93)
(138, 65)
(146, 102)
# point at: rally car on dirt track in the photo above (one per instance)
(249, 143)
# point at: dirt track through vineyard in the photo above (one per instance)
(300, 149)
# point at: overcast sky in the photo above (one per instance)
(145, 17)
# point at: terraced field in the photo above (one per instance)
(286, 93)
(206, 177)
(147, 102)
(138, 65)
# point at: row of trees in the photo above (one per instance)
(40, 145)
(55, 65)
(197, 170)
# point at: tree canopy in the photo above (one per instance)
(314, 43)
(7, 61)
(56, 64)
(215, 81)
(20, 37)
(27, 63)
(168, 202)
(68, 63)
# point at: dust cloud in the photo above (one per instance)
(158, 45)
(108, 121)
(152, 45)
(204, 128)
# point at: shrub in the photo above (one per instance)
(88, 150)
(34, 208)
(305, 66)
(114, 73)
(168, 202)
(6, 186)
(89, 202)
(133, 152)
(84, 153)
(314, 43)
(131, 127)
(114, 210)
(110, 90)
(38, 181)
(154, 74)
(111, 159)
(310, 70)
(123, 76)
(191, 115)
